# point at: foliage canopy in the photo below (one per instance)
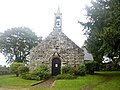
(103, 29)
(15, 43)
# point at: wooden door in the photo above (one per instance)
(56, 66)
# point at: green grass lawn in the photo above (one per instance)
(11, 81)
(99, 81)
(78, 83)
(112, 81)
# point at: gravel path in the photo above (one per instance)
(47, 83)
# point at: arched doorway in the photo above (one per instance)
(56, 66)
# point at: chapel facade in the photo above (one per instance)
(57, 50)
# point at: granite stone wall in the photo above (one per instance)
(57, 44)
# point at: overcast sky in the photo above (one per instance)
(38, 15)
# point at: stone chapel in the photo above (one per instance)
(56, 50)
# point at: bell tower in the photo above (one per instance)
(58, 21)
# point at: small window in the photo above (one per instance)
(56, 65)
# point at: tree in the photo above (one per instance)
(15, 44)
(103, 29)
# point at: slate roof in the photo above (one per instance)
(87, 55)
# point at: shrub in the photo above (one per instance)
(30, 76)
(23, 69)
(14, 67)
(67, 70)
(26, 76)
(90, 67)
(65, 76)
(80, 70)
(40, 73)
(4, 70)
(110, 67)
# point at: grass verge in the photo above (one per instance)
(99, 81)
(11, 81)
